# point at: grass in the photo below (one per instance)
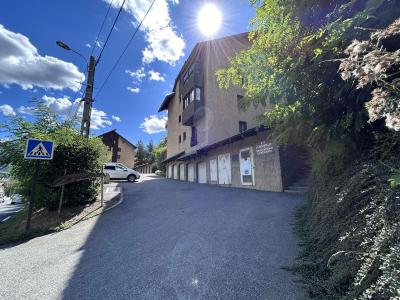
(45, 222)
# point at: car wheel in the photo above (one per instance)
(131, 178)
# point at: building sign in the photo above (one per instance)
(264, 148)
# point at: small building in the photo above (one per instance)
(211, 138)
(122, 150)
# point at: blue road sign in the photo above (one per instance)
(38, 149)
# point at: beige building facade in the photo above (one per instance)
(122, 150)
(210, 137)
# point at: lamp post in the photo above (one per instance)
(88, 97)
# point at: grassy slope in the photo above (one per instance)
(351, 227)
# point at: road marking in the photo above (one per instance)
(6, 219)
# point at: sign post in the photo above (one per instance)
(38, 150)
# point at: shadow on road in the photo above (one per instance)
(176, 240)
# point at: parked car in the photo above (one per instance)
(120, 171)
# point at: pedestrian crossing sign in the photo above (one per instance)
(38, 149)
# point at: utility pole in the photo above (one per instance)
(88, 98)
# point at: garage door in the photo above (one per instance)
(224, 168)
(170, 175)
(191, 172)
(202, 172)
(213, 171)
(176, 172)
(182, 172)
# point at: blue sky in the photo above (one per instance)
(32, 66)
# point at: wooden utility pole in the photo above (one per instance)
(88, 98)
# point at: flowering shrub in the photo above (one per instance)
(370, 63)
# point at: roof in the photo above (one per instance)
(196, 50)
(115, 131)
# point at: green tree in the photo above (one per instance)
(73, 154)
(141, 154)
(160, 154)
(149, 150)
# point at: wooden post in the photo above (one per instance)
(33, 192)
(61, 196)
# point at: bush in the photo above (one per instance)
(73, 154)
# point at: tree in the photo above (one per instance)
(160, 154)
(149, 149)
(141, 154)
(73, 154)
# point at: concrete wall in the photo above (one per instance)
(267, 167)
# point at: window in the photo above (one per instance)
(187, 74)
(180, 119)
(191, 95)
(242, 126)
(239, 101)
(119, 149)
(184, 136)
(119, 156)
(198, 94)
(180, 139)
(193, 140)
(109, 168)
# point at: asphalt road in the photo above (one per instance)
(7, 210)
(167, 240)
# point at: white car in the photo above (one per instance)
(120, 171)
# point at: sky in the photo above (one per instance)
(32, 66)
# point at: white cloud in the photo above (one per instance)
(137, 75)
(156, 76)
(154, 124)
(133, 90)
(22, 64)
(88, 45)
(26, 110)
(7, 110)
(116, 118)
(163, 42)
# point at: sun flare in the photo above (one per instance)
(209, 19)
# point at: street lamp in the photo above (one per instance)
(87, 99)
(68, 48)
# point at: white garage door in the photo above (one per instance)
(182, 172)
(170, 175)
(176, 172)
(191, 172)
(224, 168)
(213, 171)
(202, 171)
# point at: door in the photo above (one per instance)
(191, 172)
(246, 166)
(224, 168)
(170, 171)
(202, 172)
(213, 171)
(176, 172)
(182, 172)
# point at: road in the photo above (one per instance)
(7, 210)
(167, 240)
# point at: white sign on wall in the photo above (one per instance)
(264, 148)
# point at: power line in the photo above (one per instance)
(101, 27)
(123, 52)
(111, 30)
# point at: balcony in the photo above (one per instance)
(192, 113)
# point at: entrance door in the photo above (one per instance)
(191, 172)
(213, 171)
(202, 172)
(182, 171)
(224, 168)
(246, 166)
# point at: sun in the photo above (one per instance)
(209, 19)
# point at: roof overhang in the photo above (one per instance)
(173, 157)
(167, 100)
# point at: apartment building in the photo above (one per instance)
(122, 150)
(210, 138)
